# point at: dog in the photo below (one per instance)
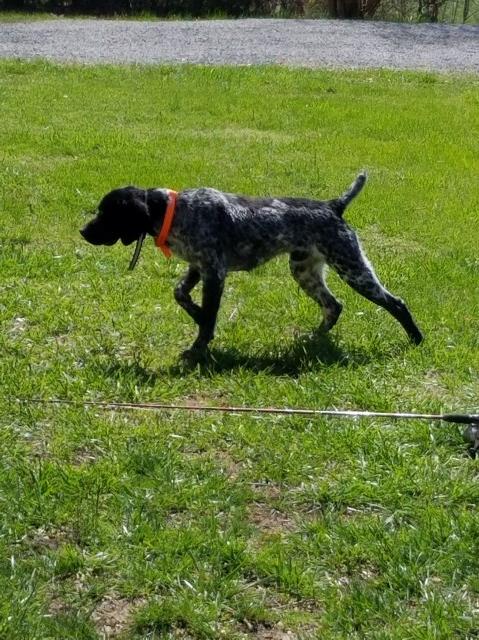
(216, 232)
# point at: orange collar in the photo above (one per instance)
(162, 237)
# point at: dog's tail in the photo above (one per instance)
(340, 204)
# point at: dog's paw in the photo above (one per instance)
(195, 355)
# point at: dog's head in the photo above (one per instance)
(125, 214)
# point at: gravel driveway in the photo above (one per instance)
(312, 43)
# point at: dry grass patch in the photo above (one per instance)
(267, 490)
(84, 455)
(434, 387)
(43, 538)
(265, 512)
(229, 466)
(272, 633)
(113, 615)
(270, 521)
(279, 632)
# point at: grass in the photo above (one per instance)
(25, 16)
(204, 526)
(28, 16)
(450, 13)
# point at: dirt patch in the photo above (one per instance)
(278, 632)
(434, 386)
(113, 615)
(366, 573)
(228, 465)
(38, 440)
(277, 605)
(47, 539)
(269, 520)
(83, 456)
(57, 607)
(18, 326)
(267, 490)
(274, 633)
(203, 400)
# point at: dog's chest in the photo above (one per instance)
(183, 247)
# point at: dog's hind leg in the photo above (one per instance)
(354, 268)
(308, 269)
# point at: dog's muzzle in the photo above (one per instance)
(96, 234)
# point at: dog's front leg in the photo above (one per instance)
(183, 297)
(213, 284)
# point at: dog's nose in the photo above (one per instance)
(95, 233)
(89, 234)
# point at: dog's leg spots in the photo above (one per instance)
(182, 294)
(309, 272)
(376, 293)
(359, 274)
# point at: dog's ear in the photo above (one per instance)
(131, 201)
(126, 211)
(134, 216)
(157, 203)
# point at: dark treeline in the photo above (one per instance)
(159, 7)
(402, 10)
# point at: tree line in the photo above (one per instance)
(195, 8)
(404, 10)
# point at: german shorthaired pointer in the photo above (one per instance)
(217, 232)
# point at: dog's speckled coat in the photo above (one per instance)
(217, 232)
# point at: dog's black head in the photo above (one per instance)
(125, 214)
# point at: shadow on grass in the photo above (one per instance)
(306, 354)
(133, 371)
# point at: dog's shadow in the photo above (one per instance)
(304, 354)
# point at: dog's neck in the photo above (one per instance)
(156, 201)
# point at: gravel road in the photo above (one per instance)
(311, 43)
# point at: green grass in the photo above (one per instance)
(24, 16)
(449, 14)
(206, 526)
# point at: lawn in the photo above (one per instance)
(177, 525)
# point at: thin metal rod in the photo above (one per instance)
(160, 406)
